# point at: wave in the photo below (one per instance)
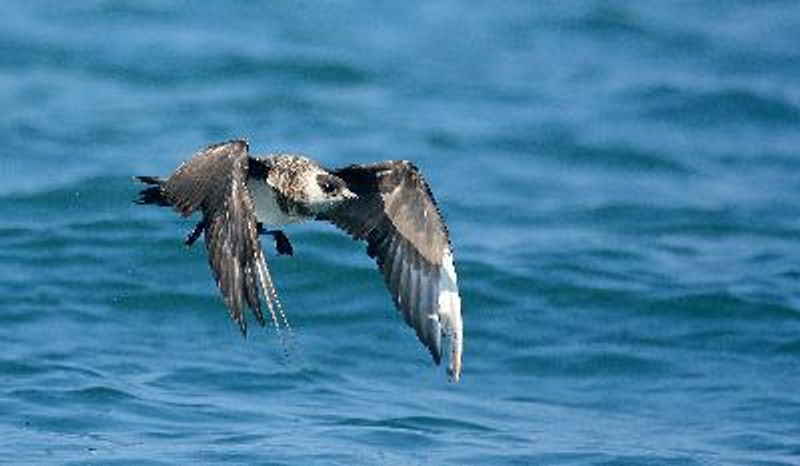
(712, 106)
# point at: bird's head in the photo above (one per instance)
(328, 191)
(307, 184)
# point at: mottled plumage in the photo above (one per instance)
(389, 205)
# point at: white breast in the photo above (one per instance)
(268, 211)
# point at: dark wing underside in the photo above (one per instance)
(396, 214)
(215, 181)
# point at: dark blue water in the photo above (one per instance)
(621, 182)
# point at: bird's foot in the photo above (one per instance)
(282, 243)
(195, 233)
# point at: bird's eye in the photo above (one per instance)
(328, 185)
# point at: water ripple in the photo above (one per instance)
(619, 180)
(714, 107)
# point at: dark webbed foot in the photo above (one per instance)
(195, 233)
(282, 243)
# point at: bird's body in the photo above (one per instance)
(289, 192)
(388, 205)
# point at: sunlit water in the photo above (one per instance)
(621, 182)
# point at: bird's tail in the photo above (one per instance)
(152, 194)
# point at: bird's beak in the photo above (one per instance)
(347, 194)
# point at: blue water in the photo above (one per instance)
(621, 181)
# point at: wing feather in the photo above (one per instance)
(214, 181)
(396, 214)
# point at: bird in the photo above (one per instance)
(388, 205)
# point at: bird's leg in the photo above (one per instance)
(282, 243)
(195, 233)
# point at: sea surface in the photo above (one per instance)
(621, 181)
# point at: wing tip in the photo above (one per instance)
(242, 326)
(436, 352)
(450, 314)
(454, 369)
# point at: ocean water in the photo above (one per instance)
(621, 181)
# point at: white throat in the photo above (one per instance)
(268, 211)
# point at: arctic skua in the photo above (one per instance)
(388, 205)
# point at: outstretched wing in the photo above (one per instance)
(396, 214)
(215, 181)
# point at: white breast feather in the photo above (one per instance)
(268, 211)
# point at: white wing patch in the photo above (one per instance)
(450, 312)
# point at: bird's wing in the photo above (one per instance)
(214, 181)
(396, 214)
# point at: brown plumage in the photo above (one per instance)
(389, 205)
(399, 219)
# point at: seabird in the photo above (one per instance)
(388, 205)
